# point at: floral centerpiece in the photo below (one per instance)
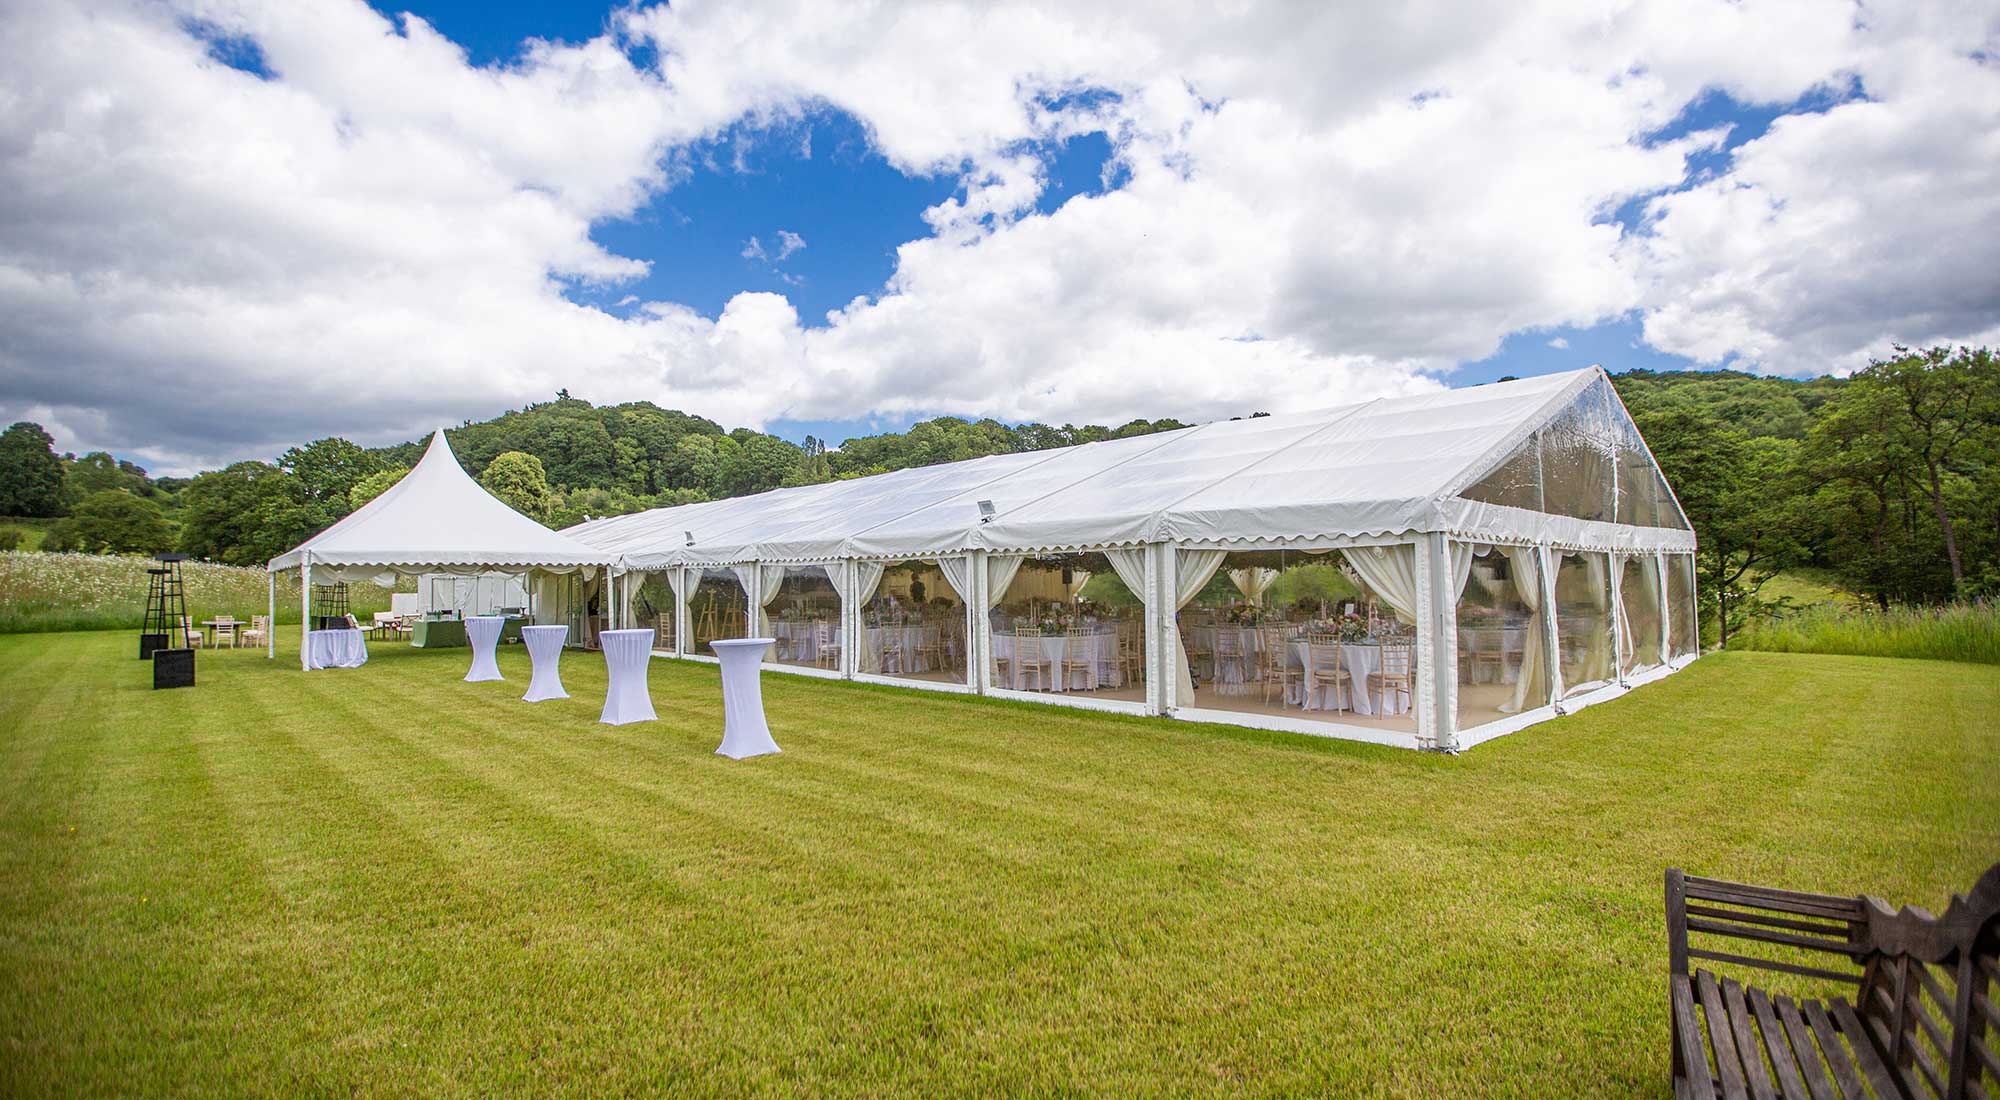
(1057, 619)
(1243, 614)
(1348, 627)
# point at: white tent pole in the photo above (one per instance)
(1550, 560)
(271, 615)
(1149, 658)
(1170, 676)
(1442, 685)
(1666, 623)
(305, 604)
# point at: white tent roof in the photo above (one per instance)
(1384, 467)
(437, 517)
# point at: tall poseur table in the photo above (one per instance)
(483, 633)
(626, 654)
(545, 644)
(744, 732)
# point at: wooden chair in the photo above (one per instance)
(663, 630)
(1028, 657)
(225, 633)
(383, 626)
(1394, 677)
(892, 650)
(259, 632)
(1920, 1023)
(1329, 671)
(826, 651)
(930, 648)
(1488, 651)
(1228, 654)
(192, 633)
(1276, 669)
(1128, 658)
(1079, 655)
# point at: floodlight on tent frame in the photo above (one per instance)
(986, 510)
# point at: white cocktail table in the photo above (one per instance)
(482, 633)
(545, 653)
(626, 653)
(744, 732)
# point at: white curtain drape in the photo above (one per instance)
(766, 581)
(1000, 570)
(1462, 554)
(867, 578)
(958, 574)
(1130, 565)
(1192, 570)
(1597, 662)
(1525, 565)
(1391, 573)
(1253, 582)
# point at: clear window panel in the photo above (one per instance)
(1583, 621)
(1639, 596)
(718, 609)
(913, 624)
(653, 605)
(1682, 634)
(803, 616)
(1502, 667)
(1516, 482)
(1643, 497)
(1577, 450)
(1071, 624)
(1316, 635)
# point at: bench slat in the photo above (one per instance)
(1687, 1038)
(1830, 1049)
(1767, 935)
(1783, 901)
(1984, 1054)
(1820, 927)
(1808, 1056)
(1884, 1041)
(1863, 1044)
(1767, 964)
(1728, 1064)
(1746, 1041)
(1777, 1046)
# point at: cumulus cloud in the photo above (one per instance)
(1559, 343)
(1314, 205)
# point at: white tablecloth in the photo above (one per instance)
(1100, 649)
(1361, 659)
(626, 656)
(801, 638)
(482, 633)
(1507, 641)
(912, 659)
(336, 649)
(744, 731)
(545, 644)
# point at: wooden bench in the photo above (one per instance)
(1921, 1021)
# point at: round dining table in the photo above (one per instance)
(1099, 649)
(482, 633)
(545, 646)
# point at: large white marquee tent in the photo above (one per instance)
(435, 520)
(1520, 532)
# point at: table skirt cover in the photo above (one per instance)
(744, 731)
(627, 654)
(1235, 675)
(482, 632)
(336, 649)
(545, 646)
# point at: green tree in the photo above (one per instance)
(98, 471)
(31, 474)
(1947, 406)
(374, 485)
(228, 515)
(1740, 494)
(326, 471)
(516, 477)
(116, 522)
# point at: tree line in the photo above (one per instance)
(1888, 480)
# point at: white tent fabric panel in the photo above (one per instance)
(437, 516)
(1385, 467)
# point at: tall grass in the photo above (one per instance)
(1960, 632)
(44, 592)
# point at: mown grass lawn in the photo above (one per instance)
(389, 881)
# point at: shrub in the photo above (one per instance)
(10, 538)
(1958, 632)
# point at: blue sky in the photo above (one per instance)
(1296, 206)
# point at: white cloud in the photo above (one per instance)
(1317, 204)
(1559, 343)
